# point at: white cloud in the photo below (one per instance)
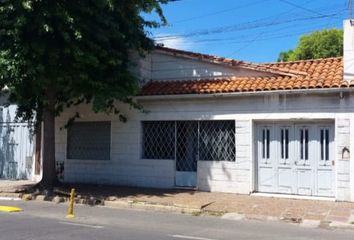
(171, 41)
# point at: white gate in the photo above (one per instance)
(295, 158)
(16, 146)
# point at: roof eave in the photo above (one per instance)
(244, 94)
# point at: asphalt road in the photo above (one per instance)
(46, 221)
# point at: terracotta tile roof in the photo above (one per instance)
(309, 67)
(308, 74)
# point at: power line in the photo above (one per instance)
(270, 34)
(301, 7)
(260, 23)
(244, 26)
(227, 28)
(262, 33)
(249, 34)
(295, 6)
(275, 35)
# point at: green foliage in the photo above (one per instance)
(319, 44)
(285, 56)
(68, 52)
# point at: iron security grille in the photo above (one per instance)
(217, 140)
(187, 146)
(159, 140)
(189, 141)
(89, 141)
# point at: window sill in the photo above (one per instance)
(89, 161)
(156, 159)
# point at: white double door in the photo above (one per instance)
(296, 158)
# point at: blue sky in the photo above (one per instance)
(251, 30)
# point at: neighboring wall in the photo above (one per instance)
(127, 168)
(16, 144)
(162, 66)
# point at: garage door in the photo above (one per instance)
(295, 158)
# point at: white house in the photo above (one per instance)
(218, 124)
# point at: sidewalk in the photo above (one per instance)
(310, 213)
(233, 206)
(14, 186)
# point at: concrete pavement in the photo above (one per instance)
(43, 220)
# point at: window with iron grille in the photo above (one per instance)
(158, 139)
(204, 140)
(89, 141)
(217, 140)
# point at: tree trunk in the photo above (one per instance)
(37, 164)
(49, 179)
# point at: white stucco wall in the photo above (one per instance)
(127, 168)
(162, 66)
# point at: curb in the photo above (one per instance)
(310, 223)
(10, 196)
(10, 199)
(151, 206)
(233, 216)
(341, 225)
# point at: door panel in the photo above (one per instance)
(266, 146)
(304, 182)
(284, 163)
(303, 141)
(285, 181)
(285, 135)
(325, 182)
(325, 159)
(305, 158)
(266, 179)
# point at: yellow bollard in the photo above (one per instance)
(71, 204)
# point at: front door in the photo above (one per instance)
(295, 158)
(186, 153)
